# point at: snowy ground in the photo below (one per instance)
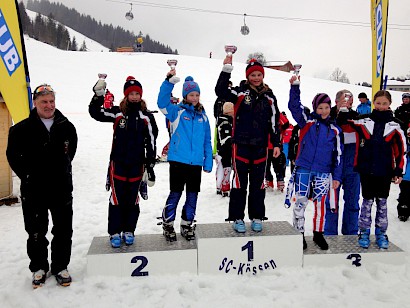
(72, 74)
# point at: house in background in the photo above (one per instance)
(280, 66)
(398, 85)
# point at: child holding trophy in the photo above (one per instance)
(190, 151)
(317, 162)
(256, 118)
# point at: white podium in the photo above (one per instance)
(151, 254)
(344, 249)
(221, 250)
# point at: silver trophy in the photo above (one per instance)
(102, 76)
(230, 49)
(172, 63)
(348, 95)
(296, 69)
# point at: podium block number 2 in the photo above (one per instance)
(138, 271)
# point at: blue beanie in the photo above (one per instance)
(190, 86)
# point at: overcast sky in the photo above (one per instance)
(319, 47)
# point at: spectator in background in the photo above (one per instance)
(350, 178)
(365, 106)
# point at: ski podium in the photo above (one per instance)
(219, 250)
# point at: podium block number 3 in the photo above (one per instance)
(138, 271)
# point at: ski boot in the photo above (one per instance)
(63, 278)
(128, 238)
(304, 241)
(115, 240)
(403, 212)
(225, 188)
(239, 226)
(256, 225)
(381, 239)
(169, 231)
(269, 185)
(218, 192)
(39, 278)
(281, 186)
(188, 231)
(364, 240)
(320, 240)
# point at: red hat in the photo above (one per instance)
(132, 85)
(254, 65)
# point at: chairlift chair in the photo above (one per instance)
(129, 15)
(244, 28)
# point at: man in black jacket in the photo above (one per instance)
(40, 150)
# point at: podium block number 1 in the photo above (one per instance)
(249, 247)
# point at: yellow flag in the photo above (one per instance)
(14, 78)
(379, 12)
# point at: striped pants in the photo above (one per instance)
(306, 180)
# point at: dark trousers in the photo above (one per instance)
(249, 166)
(278, 164)
(124, 209)
(35, 212)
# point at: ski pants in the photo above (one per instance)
(374, 187)
(278, 164)
(248, 164)
(403, 208)
(305, 180)
(35, 212)
(351, 194)
(181, 175)
(124, 209)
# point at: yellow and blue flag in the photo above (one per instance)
(14, 76)
(379, 12)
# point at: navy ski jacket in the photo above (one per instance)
(135, 134)
(256, 116)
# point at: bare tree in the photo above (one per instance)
(259, 56)
(339, 76)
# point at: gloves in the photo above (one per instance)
(99, 87)
(227, 68)
(173, 79)
(151, 175)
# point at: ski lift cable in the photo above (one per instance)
(311, 20)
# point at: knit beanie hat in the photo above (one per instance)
(362, 95)
(132, 85)
(319, 99)
(254, 65)
(190, 86)
(405, 95)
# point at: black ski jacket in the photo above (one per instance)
(42, 158)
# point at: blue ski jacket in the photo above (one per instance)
(320, 142)
(190, 130)
(364, 108)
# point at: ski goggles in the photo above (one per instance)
(42, 90)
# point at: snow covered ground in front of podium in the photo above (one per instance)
(72, 74)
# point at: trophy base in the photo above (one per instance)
(296, 83)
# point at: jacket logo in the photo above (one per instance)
(200, 120)
(122, 123)
(247, 99)
(187, 118)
